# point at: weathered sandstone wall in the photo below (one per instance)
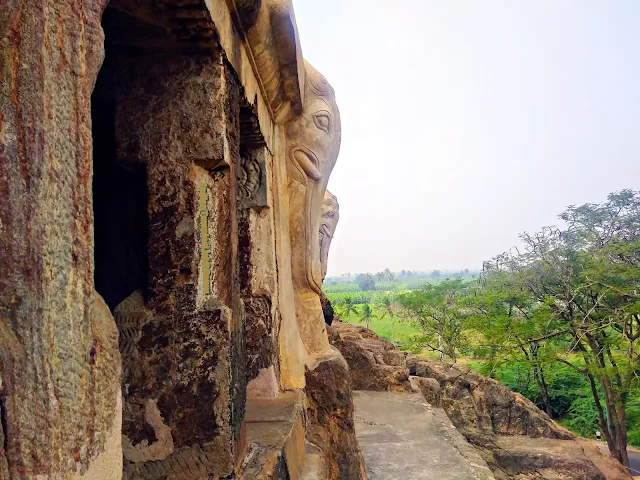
(163, 240)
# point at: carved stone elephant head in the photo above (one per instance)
(328, 224)
(313, 143)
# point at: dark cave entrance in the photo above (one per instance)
(149, 49)
(120, 209)
(136, 40)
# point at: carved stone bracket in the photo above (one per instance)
(252, 172)
(313, 143)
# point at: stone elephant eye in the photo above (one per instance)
(322, 120)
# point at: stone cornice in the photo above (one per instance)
(269, 32)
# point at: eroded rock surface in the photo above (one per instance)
(330, 416)
(429, 388)
(480, 406)
(526, 458)
(374, 363)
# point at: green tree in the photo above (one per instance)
(584, 282)
(388, 274)
(386, 304)
(367, 314)
(348, 307)
(507, 318)
(441, 317)
(365, 281)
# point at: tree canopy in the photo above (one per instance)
(572, 295)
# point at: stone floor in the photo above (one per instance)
(402, 437)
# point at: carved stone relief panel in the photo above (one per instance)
(131, 316)
(260, 343)
(252, 173)
(252, 181)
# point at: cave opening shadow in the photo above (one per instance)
(119, 206)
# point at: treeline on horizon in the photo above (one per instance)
(557, 319)
(408, 276)
(364, 288)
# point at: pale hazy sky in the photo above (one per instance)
(466, 122)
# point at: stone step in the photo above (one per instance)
(275, 435)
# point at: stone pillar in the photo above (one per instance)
(184, 395)
(59, 362)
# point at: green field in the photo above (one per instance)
(396, 330)
(390, 323)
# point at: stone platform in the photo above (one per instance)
(402, 437)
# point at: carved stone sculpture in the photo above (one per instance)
(131, 316)
(328, 224)
(252, 183)
(313, 143)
